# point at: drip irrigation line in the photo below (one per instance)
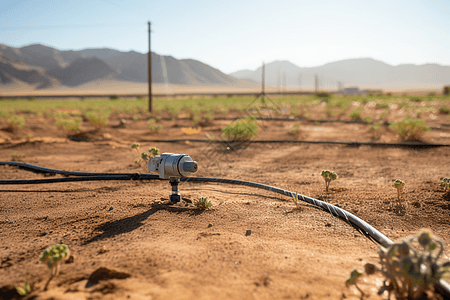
(363, 227)
(356, 144)
(82, 178)
(38, 169)
(356, 222)
(351, 219)
(294, 120)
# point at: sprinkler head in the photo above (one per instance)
(170, 165)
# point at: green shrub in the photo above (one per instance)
(355, 114)
(241, 130)
(444, 110)
(70, 125)
(322, 94)
(98, 120)
(410, 266)
(368, 119)
(15, 122)
(410, 129)
(446, 90)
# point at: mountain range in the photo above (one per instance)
(42, 67)
(46, 67)
(362, 72)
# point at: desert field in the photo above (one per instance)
(128, 242)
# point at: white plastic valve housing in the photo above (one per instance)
(172, 165)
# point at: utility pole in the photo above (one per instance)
(278, 80)
(263, 83)
(284, 82)
(299, 82)
(149, 71)
(317, 84)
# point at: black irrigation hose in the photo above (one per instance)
(356, 144)
(356, 222)
(367, 230)
(351, 219)
(293, 120)
(38, 169)
(82, 178)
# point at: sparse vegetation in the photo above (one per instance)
(444, 110)
(445, 183)
(398, 185)
(98, 120)
(144, 156)
(241, 130)
(16, 156)
(328, 176)
(53, 257)
(25, 290)
(296, 201)
(70, 125)
(410, 267)
(295, 129)
(15, 122)
(355, 114)
(152, 126)
(410, 129)
(203, 203)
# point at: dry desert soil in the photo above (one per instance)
(128, 242)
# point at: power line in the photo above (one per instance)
(70, 26)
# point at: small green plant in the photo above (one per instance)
(355, 114)
(398, 185)
(328, 176)
(411, 267)
(410, 129)
(322, 95)
(152, 152)
(136, 117)
(241, 130)
(53, 256)
(16, 156)
(25, 290)
(15, 122)
(444, 110)
(203, 203)
(445, 183)
(446, 90)
(70, 125)
(98, 120)
(152, 126)
(296, 201)
(295, 129)
(136, 147)
(368, 119)
(376, 129)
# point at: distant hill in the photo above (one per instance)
(83, 70)
(363, 72)
(49, 66)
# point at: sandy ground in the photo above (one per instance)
(251, 244)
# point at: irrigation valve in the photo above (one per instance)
(172, 166)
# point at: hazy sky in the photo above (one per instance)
(239, 34)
